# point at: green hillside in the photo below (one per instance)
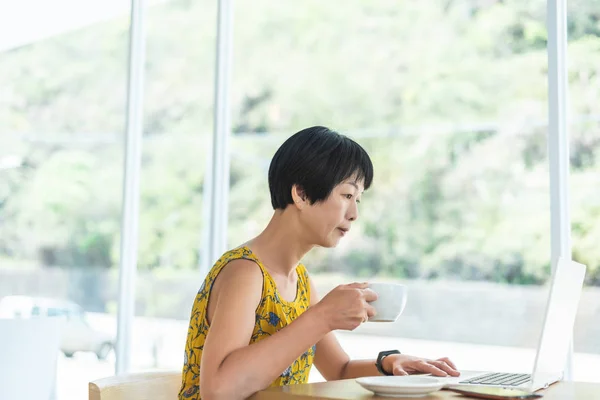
(449, 97)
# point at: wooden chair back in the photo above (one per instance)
(138, 386)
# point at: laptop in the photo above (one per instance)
(555, 338)
(28, 354)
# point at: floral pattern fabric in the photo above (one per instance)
(272, 314)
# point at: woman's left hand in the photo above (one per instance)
(402, 364)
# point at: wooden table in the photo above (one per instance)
(349, 389)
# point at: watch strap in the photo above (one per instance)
(379, 362)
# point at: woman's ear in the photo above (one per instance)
(299, 196)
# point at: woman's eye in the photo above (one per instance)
(348, 196)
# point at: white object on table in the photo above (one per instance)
(401, 386)
(28, 356)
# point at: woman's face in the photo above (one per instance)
(328, 221)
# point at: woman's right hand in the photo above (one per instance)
(347, 306)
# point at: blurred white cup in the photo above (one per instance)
(391, 300)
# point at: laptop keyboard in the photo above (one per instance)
(500, 379)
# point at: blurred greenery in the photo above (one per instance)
(449, 97)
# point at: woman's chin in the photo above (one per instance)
(331, 243)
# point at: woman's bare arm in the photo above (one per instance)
(233, 369)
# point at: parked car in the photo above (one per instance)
(77, 334)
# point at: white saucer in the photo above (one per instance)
(401, 386)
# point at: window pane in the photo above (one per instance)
(584, 58)
(177, 139)
(62, 112)
(451, 102)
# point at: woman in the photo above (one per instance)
(257, 320)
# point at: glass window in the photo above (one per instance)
(178, 123)
(584, 81)
(62, 116)
(451, 102)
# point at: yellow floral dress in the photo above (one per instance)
(272, 314)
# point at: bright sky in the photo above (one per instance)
(27, 21)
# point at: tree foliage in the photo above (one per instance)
(449, 97)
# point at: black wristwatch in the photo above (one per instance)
(379, 362)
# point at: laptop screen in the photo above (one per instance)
(557, 332)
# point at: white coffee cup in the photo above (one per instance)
(391, 299)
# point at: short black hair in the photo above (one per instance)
(316, 159)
